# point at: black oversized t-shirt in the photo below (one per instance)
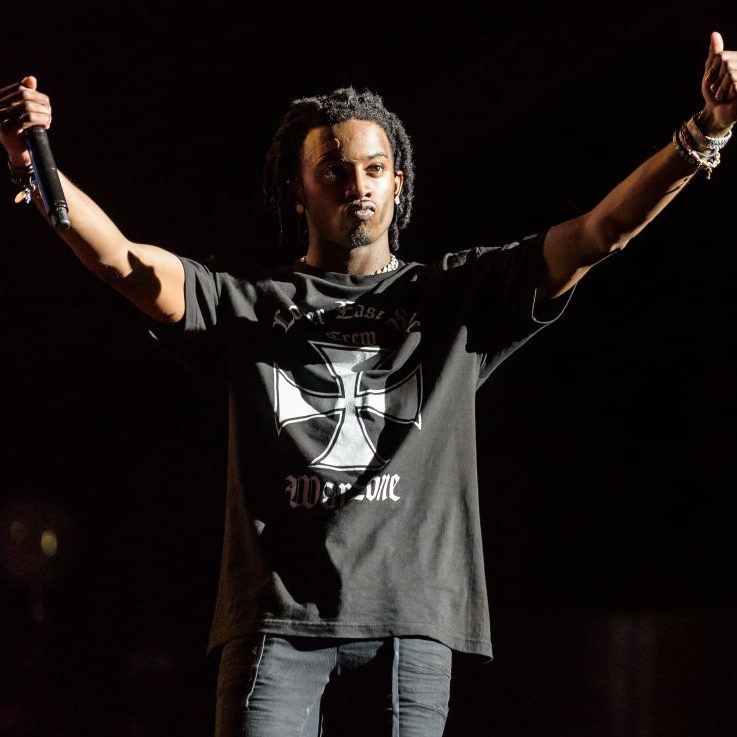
(352, 501)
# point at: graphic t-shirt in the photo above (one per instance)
(352, 501)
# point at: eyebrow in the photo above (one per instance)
(336, 154)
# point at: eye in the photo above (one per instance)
(332, 173)
(376, 168)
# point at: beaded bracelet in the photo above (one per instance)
(686, 147)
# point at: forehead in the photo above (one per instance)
(349, 140)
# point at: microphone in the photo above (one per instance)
(47, 176)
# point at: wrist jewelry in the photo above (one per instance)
(704, 141)
(24, 177)
(686, 146)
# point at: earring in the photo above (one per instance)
(300, 208)
(396, 199)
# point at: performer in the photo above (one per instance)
(352, 564)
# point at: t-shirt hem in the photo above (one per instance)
(455, 642)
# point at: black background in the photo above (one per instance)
(606, 445)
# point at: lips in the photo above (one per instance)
(361, 210)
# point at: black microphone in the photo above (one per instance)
(47, 177)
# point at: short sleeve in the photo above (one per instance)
(493, 293)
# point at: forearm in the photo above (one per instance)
(150, 277)
(573, 247)
(93, 236)
(635, 202)
(631, 205)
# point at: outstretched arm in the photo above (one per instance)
(574, 246)
(150, 277)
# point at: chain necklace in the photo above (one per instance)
(391, 266)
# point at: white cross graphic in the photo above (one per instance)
(353, 401)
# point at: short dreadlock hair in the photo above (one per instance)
(284, 154)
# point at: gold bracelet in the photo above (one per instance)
(701, 139)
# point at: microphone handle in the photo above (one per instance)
(47, 176)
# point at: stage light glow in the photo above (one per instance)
(49, 543)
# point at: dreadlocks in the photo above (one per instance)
(283, 157)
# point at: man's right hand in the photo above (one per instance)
(21, 106)
(150, 277)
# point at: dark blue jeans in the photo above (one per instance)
(270, 686)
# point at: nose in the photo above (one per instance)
(358, 184)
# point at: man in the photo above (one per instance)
(352, 565)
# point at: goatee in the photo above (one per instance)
(360, 237)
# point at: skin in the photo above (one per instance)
(346, 185)
(573, 247)
(153, 278)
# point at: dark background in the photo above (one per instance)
(606, 444)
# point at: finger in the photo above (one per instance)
(8, 88)
(18, 114)
(716, 46)
(717, 77)
(29, 119)
(19, 93)
(10, 107)
(27, 106)
(16, 124)
(29, 82)
(711, 79)
(27, 96)
(715, 74)
(13, 117)
(727, 85)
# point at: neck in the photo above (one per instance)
(360, 261)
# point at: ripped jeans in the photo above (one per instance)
(273, 686)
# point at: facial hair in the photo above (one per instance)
(359, 237)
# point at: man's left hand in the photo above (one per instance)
(719, 87)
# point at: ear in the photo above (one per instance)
(398, 182)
